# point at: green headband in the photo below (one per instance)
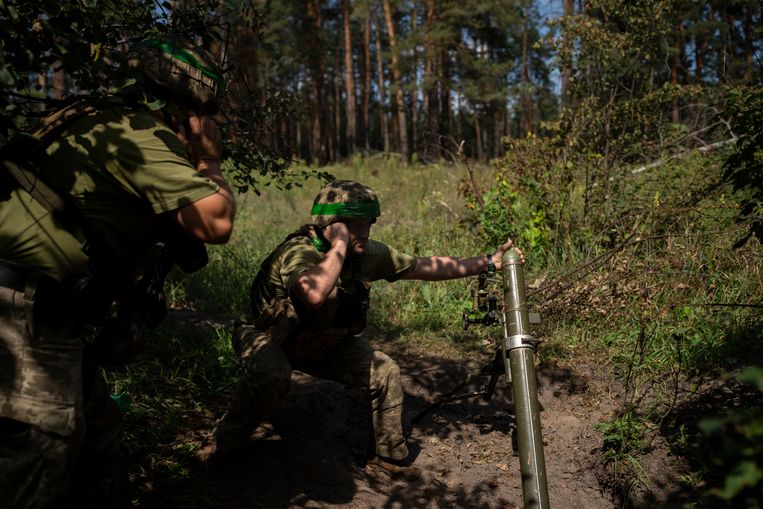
(184, 57)
(347, 209)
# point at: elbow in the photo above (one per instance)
(314, 299)
(218, 232)
(209, 220)
(311, 296)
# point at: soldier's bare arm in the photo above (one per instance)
(314, 285)
(209, 219)
(438, 268)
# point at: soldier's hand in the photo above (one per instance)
(201, 138)
(337, 232)
(498, 255)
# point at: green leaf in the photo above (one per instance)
(754, 375)
(746, 474)
(12, 12)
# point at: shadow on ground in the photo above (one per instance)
(311, 452)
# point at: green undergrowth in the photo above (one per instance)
(647, 284)
(652, 281)
(177, 387)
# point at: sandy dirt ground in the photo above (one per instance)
(312, 451)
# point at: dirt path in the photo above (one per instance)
(311, 452)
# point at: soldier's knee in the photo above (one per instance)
(280, 383)
(385, 369)
(276, 382)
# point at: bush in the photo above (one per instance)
(744, 166)
(737, 458)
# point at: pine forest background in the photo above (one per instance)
(618, 142)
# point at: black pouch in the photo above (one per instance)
(135, 310)
(80, 298)
(352, 308)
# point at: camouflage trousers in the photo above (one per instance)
(58, 426)
(266, 380)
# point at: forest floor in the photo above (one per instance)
(312, 450)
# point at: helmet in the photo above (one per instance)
(344, 199)
(180, 69)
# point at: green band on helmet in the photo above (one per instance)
(184, 57)
(347, 209)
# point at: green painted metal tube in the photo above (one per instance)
(520, 346)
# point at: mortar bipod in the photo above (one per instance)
(493, 370)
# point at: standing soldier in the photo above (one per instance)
(308, 307)
(89, 225)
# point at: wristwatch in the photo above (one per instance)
(490, 264)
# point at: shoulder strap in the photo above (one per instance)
(52, 125)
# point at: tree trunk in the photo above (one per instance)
(727, 49)
(349, 80)
(337, 130)
(498, 130)
(478, 138)
(59, 80)
(749, 44)
(430, 89)
(675, 63)
(445, 116)
(243, 55)
(396, 81)
(414, 84)
(299, 139)
(366, 77)
(568, 9)
(380, 82)
(701, 47)
(525, 103)
(316, 66)
(394, 129)
(506, 122)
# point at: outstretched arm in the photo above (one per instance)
(438, 268)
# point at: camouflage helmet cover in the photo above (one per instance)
(344, 199)
(181, 68)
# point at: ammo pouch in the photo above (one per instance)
(303, 336)
(280, 319)
(352, 308)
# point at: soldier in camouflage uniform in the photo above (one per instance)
(124, 170)
(308, 308)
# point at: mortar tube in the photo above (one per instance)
(521, 349)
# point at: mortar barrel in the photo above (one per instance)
(526, 408)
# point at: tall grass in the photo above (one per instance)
(422, 214)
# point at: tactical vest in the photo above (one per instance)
(296, 327)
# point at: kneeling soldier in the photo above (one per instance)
(308, 307)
